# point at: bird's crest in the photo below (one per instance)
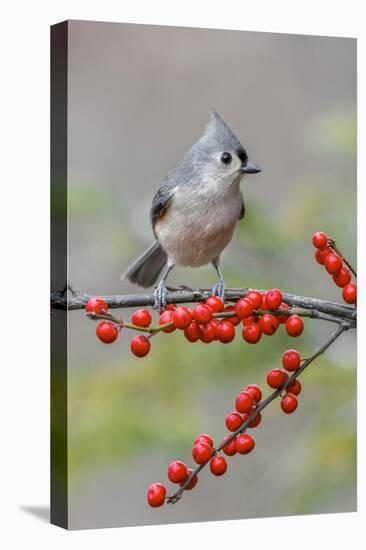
(217, 130)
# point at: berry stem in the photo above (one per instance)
(110, 317)
(106, 316)
(333, 245)
(312, 314)
(343, 326)
(301, 312)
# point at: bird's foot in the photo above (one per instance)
(160, 295)
(219, 290)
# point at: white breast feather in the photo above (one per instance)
(199, 223)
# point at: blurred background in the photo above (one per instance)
(139, 97)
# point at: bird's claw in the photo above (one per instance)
(219, 290)
(160, 295)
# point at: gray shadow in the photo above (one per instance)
(40, 512)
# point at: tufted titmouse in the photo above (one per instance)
(195, 211)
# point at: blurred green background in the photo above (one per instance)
(139, 96)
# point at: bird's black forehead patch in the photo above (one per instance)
(242, 154)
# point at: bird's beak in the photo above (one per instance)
(250, 168)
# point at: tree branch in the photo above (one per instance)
(262, 405)
(71, 299)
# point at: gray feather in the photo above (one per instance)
(146, 269)
(242, 211)
(218, 136)
(160, 204)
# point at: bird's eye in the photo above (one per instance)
(226, 158)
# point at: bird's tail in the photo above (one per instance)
(145, 270)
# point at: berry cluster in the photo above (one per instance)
(328, 255)
(247, 414)
(257, 312)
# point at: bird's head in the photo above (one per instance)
(219, 154)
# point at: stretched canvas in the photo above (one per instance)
(203, 230)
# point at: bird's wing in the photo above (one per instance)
(242, 211)
(160, 204)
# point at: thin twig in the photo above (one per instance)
(311, 313)
(121, 323)
(263, 404)
(336, 249)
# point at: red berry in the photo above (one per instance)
(320, 240)
(225, 332)
(349, 293)
(167, 317)
(244, 308)
(289, 403)
(252, 333)
(107, 332)
(268, 324)
(156, 495)
(244, 402)
(182, 317)
(193, 481)
(230, 448)
(294, 325)
(294, 387)
(96, 305)
(282, 317)
(141, 318)
(264, 301)
(201, 452)
(255, 297)
(215, 304)
(177, 471)
(235, 320)
(333, 263)
(244, 443)
(208, 333)
(218, 465)
(320, 255)
(202, 314)
(205, 438)
(233, 421)
(193, 332)
(291, 360)
(342, 278)
(256, 420)
(276, 378)
(215, 323)
(255, 391)
(251, 319)
(274, 298)
(170, 307)
(140, 346)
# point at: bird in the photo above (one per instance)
(195, 211)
